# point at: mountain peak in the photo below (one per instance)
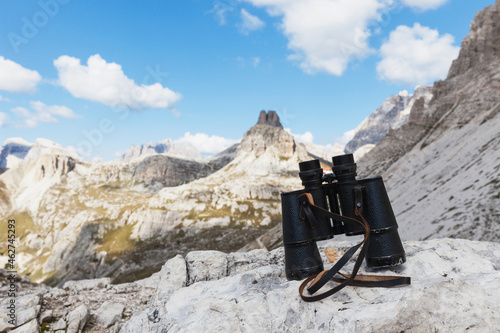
(269, 118)
(480, 46)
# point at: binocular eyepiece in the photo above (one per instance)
(341, 194)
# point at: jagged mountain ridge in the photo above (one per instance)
(442, 167)
(392, 114)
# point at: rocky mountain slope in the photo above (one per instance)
(116, 219)
(442, 167)
(392, 114)
(211, 291)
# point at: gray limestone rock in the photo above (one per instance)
(447, 277)
(59, 325)
(173, 276)
(109, 313)
(205, 265)
(29, 327)
(77, 286)
(26, 308)
(77, 319)
(169, 171)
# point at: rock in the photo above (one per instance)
(270, 118)
(173, 276)
(77, 319)
(109, 313)
(27, 308)
(59, 325)
(169, 171)
(29, 327)
(205, 265)
(45, 316)
(77, 286)
(447, 277)
(481, 45)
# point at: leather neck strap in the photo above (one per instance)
(319, 280)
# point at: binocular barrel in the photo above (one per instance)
(302, 258)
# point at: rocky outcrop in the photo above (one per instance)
(169, 171)
(214, 291)
(260, 137)
(441, 168)
(270, 118)
(480, 47)
(223, 158)
(269, 134)
(51, 165)
(249, 291)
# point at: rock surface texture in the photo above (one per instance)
(455, 288)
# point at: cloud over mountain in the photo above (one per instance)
(416, 55)
(207, 144)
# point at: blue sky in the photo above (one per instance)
(102, 75)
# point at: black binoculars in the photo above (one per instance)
(341, 194)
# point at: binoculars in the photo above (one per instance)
(343, 195)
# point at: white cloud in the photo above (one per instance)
(16, 78)
(4, 99)
(416, 55)
(220, 11)
(249, 22)
(106, 83)
(42, 114)
(57, 110)
(325, 35)
(3, 118)
(346, 137)
(256, 61)
(307, 137)
(207, 144)
(424, 4)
